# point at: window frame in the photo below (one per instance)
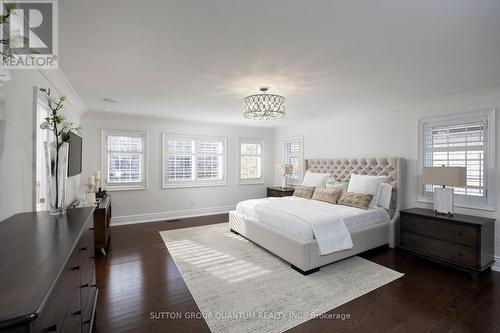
(251, 181)
(300, 175)
(165, 184)
(143, 185)
(488, 116)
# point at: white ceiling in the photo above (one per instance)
(197, 59)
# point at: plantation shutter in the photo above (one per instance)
(179, 159)
(250, 159)
(209, 164)
(458, 144)
(125, 156)
(191, 161)
(293, 155)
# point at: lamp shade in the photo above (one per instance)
(446, 176)
(286, 169)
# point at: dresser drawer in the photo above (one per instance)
(453, 252)
(462, 234)
(88, 308)
(87, 280)
(73, 322)
(86, 247)
(55, 309)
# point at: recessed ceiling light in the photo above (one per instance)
(110, 100)
(106, 108)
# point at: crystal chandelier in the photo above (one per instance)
(264, 106)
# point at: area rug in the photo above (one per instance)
(240, 287)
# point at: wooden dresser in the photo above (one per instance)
(280, 191)
(47, 272)
(463, 241)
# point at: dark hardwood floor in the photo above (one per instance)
(138, 277)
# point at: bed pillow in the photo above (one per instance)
(304, 191)
(367, 185)
(315, 179)
(330, 195)
(384, 196)
(338, 185)
(358, 200)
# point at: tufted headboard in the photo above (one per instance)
(342, 168)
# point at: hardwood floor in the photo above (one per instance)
(138, 277)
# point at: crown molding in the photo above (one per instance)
(61, 84)
(409, 105)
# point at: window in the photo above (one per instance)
(250, 161)
(193, 161)
(293, 154)
(466, 141)
(124, 159)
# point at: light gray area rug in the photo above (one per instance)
(240, 287)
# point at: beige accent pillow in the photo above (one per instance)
(304, 191)
(340, 185)
(358, 200)
(330, 195)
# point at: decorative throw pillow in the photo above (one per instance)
(330, 195)
(384, 196)
(315, 179)
(358, 200)
(339, 185)
(366, 184)
(304, 191)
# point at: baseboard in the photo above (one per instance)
(496, 265)
(162, 216)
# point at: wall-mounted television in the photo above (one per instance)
(74, 155)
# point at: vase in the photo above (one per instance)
(57, 168)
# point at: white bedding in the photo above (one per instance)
(353, 218)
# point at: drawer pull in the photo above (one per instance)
(460, 234)
(77, 313)
(86, 322)
(459, 254)
(91, 228)
(93, 257)
(52, 328)
(76, 268)
(412, 224)
(86, 285)
(83, 248)
(94, 285)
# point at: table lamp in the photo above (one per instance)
(285, 170)
(444, 176)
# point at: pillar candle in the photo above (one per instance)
(97, 174)
(91, 180)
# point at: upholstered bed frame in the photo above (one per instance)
(304, 255)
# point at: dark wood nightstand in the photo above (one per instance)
(462, 241)
(102, 220)
(280, 191)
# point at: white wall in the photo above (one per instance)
(156, 203)
(17, 162)
(393, 132)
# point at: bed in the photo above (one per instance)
(294, 241)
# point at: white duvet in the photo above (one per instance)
(306, 219)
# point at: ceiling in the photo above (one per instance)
(196, 60)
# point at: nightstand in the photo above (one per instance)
(462, 241)
(280, 191)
